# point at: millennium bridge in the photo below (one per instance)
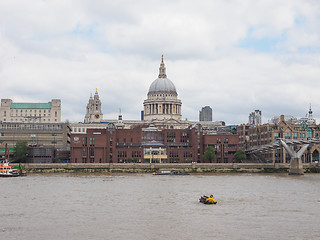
(296, 166)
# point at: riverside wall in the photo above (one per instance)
(192, 168)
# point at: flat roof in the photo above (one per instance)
(30, 105)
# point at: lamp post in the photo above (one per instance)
(54, 139)
(54, 145)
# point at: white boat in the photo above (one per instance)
(7, 171)
(171, 172)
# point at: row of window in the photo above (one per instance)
(225, 140)
(79, 130)
(31, 126)
(84, 160)
(30, 110)
(125, 140)
(30, 119)
(91, 141)
(294, 135)
(30, 113)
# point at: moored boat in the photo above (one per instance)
(170, 172)
(8, 171)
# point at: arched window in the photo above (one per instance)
(315, 156)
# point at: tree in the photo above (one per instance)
(20, 151)
(240, 155)
(209, 154)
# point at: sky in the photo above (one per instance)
(233, 55)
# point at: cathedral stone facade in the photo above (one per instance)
(162, 101)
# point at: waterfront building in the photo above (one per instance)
(255, 117)
(37, 135)
(150, 144)
(18, 112)
(94, 112)
(162, 101)
(254, 136)
(41, 154)
(205, 114)
(225, 145)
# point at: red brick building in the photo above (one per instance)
(150, 144)
(225, 146)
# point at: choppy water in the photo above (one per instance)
(160, 207)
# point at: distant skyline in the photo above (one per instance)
(234, 56)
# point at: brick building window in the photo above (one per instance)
(84, 151)
(174, 157)
(171, 136)
(136, 154)
(184, 137)
(187, 156)
(91, 151)
(92, 141)
(84, 141)
(122, 156)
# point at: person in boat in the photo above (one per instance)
(211, 200)
(208, 200)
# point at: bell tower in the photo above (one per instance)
(94, 113)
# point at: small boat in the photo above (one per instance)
(7, 171)
(170, 172)
(207, 200)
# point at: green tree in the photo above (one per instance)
(209, 154)
(240, 155)
(20, 151)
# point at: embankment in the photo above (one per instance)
(192, 168)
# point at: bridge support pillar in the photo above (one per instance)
(296, 167)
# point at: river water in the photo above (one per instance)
(144, 206)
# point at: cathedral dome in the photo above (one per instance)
(162, 102)
(162, 85)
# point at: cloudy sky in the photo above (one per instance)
(235, 56)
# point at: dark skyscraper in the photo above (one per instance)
(205, 114)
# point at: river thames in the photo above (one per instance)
(250, 206)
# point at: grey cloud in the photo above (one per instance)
(66, 50)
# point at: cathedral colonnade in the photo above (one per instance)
(162, 108)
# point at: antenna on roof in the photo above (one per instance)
(120, 115)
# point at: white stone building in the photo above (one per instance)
(162, 101)
(30, 112)
(94, 113)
